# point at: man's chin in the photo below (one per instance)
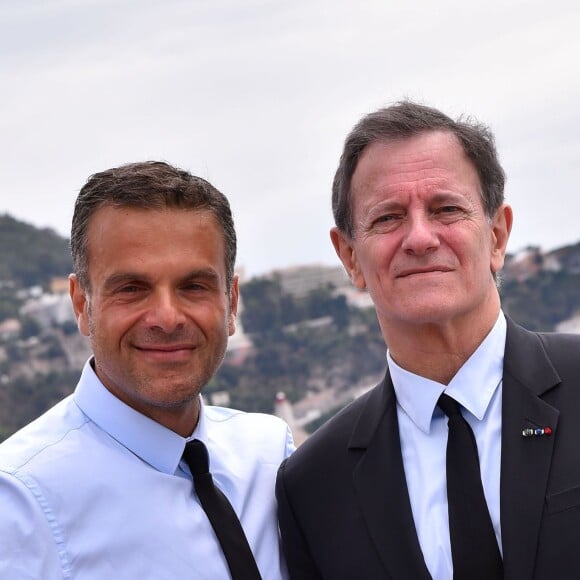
(176, 399)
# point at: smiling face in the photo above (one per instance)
(158, 311)
(422, 243)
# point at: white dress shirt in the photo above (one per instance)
(94, 490)
(423, 432)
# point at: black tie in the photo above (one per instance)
(474, 548)
(221, 515)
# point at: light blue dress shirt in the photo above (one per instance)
(423, 432)
(94, 490)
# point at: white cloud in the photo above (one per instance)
(258, 97)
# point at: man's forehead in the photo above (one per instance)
(420, 141)
(123, 233)
(425, 154)
(432, 165)
(115, 208)
(113, 217)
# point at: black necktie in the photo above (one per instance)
(474, 548)
(221, 515)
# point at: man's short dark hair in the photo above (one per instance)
(149, 185)
(407, 119)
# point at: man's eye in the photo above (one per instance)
(448, 209)
(389, 217)
(194, 287)
(130, 289)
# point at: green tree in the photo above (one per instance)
(30, 256)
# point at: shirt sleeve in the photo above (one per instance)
(28, 550)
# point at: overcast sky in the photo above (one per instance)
(257, 96)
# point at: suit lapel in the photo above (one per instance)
(381, 487)
(525, 462)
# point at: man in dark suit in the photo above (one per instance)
(421, 224)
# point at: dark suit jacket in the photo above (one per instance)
(343, 503)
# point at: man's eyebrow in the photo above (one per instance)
(447, 195)
(384, 205)
(435, 197)
(207, 274)
(201, 274)
(124, 277)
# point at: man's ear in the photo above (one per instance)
(501, 226)
(80, 304)
(234, 296)
(345, 250)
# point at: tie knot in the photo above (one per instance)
(448, 405)
(196, 457)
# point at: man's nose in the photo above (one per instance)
(420, 235)
(165, 311)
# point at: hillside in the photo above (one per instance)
(315, 346)
(541, 290)
(30, 256)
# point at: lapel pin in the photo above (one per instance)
(538, 432)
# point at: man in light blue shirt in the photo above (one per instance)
(96, 487)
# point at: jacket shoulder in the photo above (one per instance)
(563, 351)
(329, 445)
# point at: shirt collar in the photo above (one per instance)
(152, 442)
(200, 431)
(473, 385)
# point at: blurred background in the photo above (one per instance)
(257, 97)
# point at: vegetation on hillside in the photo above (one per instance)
(325, 343)
(299, 344)
(28, 257)
(542, 301)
